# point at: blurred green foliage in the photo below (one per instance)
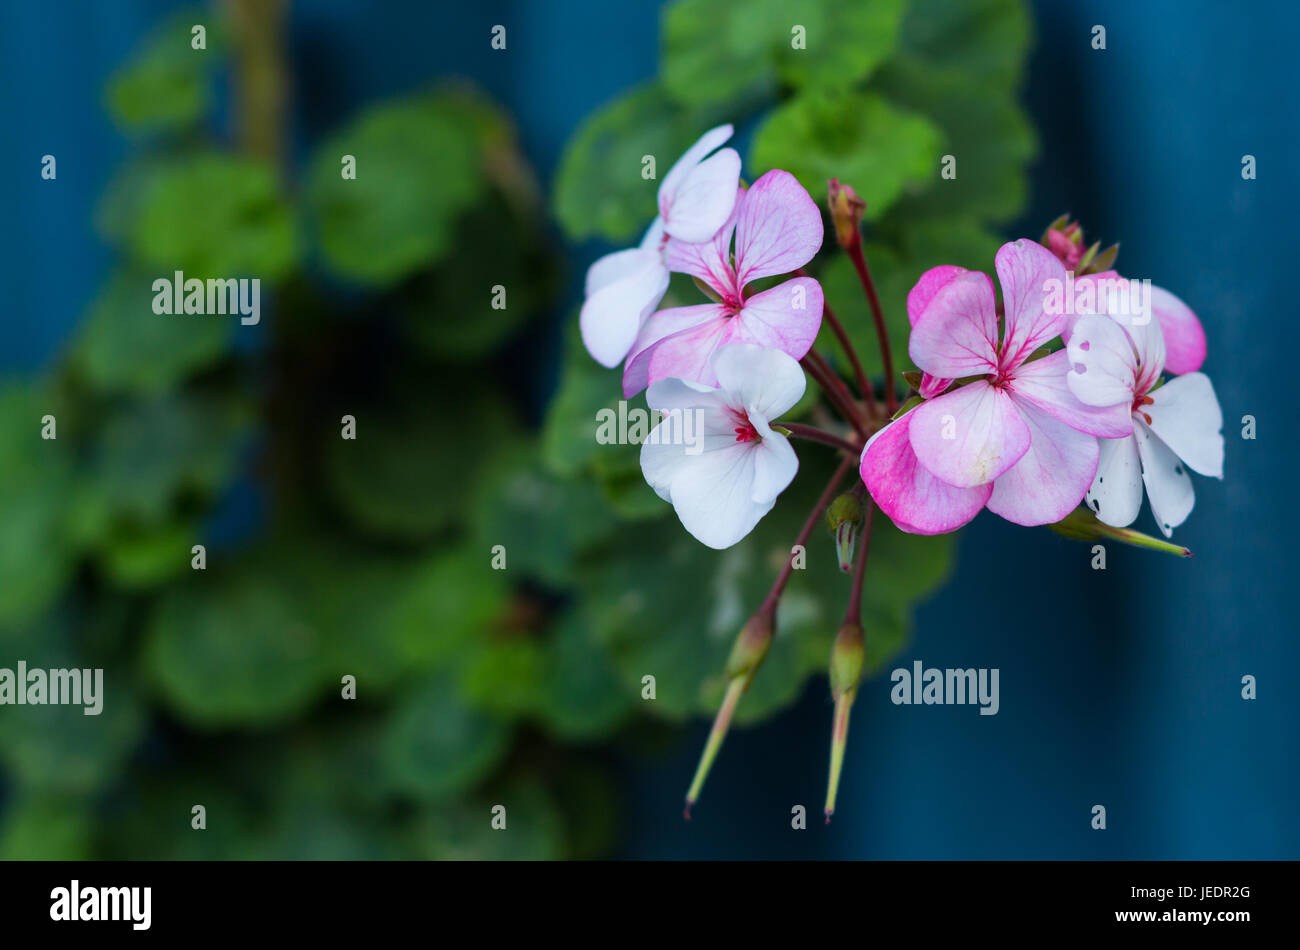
(373, 557)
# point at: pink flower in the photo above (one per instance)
(695, 199)
(1015, 439)
(777, 229)
(1184, 338)
(1175, 426)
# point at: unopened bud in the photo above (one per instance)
(1082, 525)
(847, 656)
(747, 654)
(844, 518)
(846, 212)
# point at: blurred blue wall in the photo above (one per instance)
(1119, 688)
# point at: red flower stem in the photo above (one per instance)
(813, 434)
(868, 285)
(835, 390)
(864, 387)
(853, 614)
(778, 586)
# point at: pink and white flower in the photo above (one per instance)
(1015, 439)
(1176, 426)
(695, 198)
(777, 229)
(727, 477)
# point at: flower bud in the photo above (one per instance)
(1082, 525)
(747, 654)
(1064, 238)
(846, 212)
(844, 518)
(847, 656)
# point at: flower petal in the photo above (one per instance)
(905, 490)
(1169, 487)
(1044, 383)
(931, 282)
(759, 380)
(704, 321)
(704, 199)
(628, 285)
(1025, 270)
(785, 317)
(775, 465)
(1050, 479)
(1116, 493)
(778, 228)
(697, 422)
(969, 436)
(714, 495)
(1185, 414)
(957, 334)
(1103, 366)
(1184, 336)
(709, 260)
(692, 157)
(1089, 298)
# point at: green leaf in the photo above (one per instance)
(436, 746)
(734, 51)
(124, 347)
(959, 64)
(215, 216)
(36, 545)
(39, 828)
(140, 557)
(599, 188)
(464, 831)
(859, 138)
(495, 278)
(412, 468)
(584, 697)
(166, 85)
(418, 168)
(232, 650)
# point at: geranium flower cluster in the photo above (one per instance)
(1053, 396)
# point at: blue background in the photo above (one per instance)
(1119, 688)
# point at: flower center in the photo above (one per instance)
(745, 431)
(1139, 402)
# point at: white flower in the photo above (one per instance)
(727, 476)
(623, 288)
(1176, 426)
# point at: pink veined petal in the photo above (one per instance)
(969, 436)
(914, 500)
(686, 354)
(957, 334)
(1044, 383)
(1116, 493)
(709, 260)
(1026, 271)
(628, 286)
(705, 198)
(1169, 487)
(1183, 333)
(1051, 478)
(785, 317)
(714, 496)
(931, 282)
(1185, 414)
(763, 382)
(778, 228)
(670, 324)
(1103, 367)
(705, 144)
(1087, 293)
